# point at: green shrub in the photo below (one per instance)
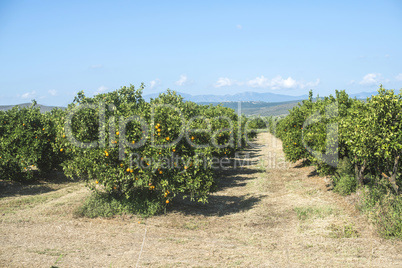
(345, 185)
(384, 208)
(343, 180)
(104, 205)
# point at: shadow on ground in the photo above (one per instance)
(233, 176)
(218, 205)
(40, 185)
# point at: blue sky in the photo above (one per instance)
(50, 50)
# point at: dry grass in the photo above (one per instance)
(270, 214)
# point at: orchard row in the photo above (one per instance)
(329, 130)
(95, 138)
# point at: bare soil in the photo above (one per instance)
(269, 214)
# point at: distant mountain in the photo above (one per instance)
(250, 97)
(363, 95)
(251, 108)
(43, 108)
(252, 103)
(245, 96)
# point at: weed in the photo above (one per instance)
(343, 179)
(104, 205)
(345, 185)
(384, 209)
(344, 231)
(304, 213)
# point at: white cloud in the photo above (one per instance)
(259, 82)
(399, 77)
(96, 66)
(238, 26)
(373, 79)
(280, 83)
(52, 92)
(311, 84)
(183, 80)
(101, 89)
(154, 83)
(29, 95)
(225, 82)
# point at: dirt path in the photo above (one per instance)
(269, 214)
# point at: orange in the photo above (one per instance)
(174, 150)
(192, 138)
(128, 170)
(121, 165)
(159, 130)
(167, 138)
(160, 171)
(43, 129)
(167, 201)
(117, 133)
(96, 182)
(133, 142)
(61, 150)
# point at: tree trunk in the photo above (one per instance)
(392, 178)
(357, 174)
(361, 173)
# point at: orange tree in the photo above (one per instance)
(373, 134)
(147, 152)
(26, 142)
(312, 131)
(289, 130)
